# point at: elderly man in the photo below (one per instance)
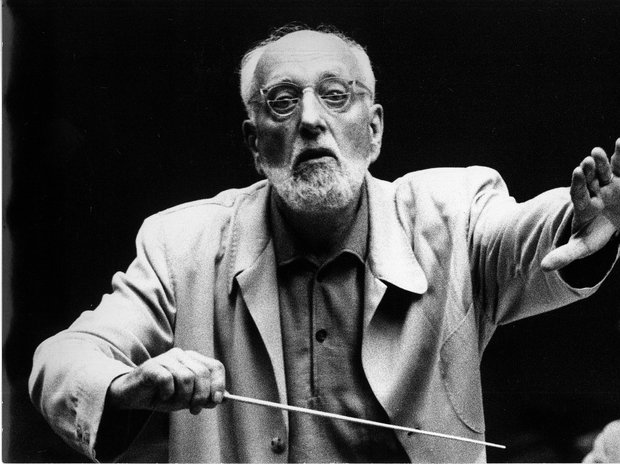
(323, 287)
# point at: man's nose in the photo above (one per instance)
(312, 121)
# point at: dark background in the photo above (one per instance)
(117, 109)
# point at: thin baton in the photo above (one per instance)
(270, 404)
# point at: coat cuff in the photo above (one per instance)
(89, 401)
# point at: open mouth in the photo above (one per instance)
(312, 154)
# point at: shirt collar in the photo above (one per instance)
(288, 247)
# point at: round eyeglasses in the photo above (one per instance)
(334, 94)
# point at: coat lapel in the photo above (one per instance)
(258, 285)
(390, 261)
(254, 268)
(390, 257)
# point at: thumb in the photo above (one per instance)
(586, 241)
(562, 256)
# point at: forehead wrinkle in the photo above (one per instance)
(303, 57)
(313, 53)
(280, 77)
(301, 74)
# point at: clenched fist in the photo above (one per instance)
(171, 381)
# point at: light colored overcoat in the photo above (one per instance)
(451, 256)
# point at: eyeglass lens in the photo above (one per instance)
(283, 98)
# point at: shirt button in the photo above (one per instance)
(321, 335)
(277, 445)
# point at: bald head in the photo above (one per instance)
(296, 48)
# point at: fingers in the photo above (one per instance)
(597, 169)
(594, 173)
(196, 391)
(183, 379)
(141, 388)
(579, 189)
(217, 379)
(199, 381)
(584, 192)
(602, 167)
(160, 380)
(595, 193)
(615, 160)
(172, 381)
(208, 381)
(588, 166)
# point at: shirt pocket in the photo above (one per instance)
(460, 372)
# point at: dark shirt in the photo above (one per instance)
(321, 306)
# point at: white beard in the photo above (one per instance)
(317, 187)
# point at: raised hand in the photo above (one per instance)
(171, 381)
(595, 192)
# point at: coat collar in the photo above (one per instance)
(390, 255)
(250, 236)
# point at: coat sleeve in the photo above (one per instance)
(508, 241)
(73, 369)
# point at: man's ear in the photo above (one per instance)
(251, 140)
(376, 130)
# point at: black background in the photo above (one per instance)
(117, 109)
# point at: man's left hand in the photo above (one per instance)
(595, 193)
